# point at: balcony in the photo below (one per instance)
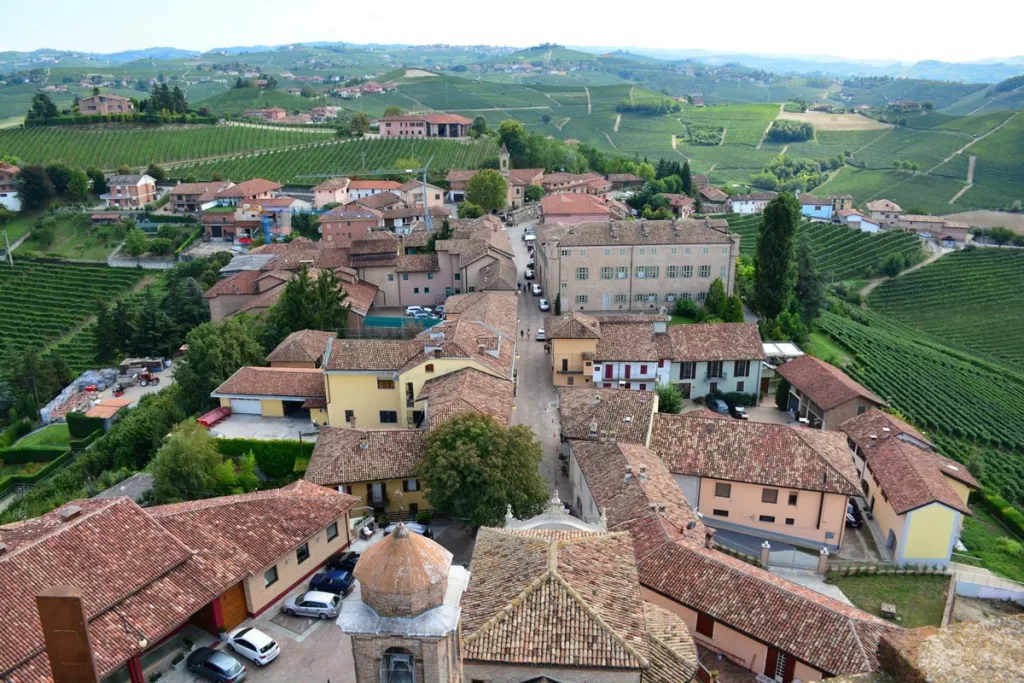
(570, 371)
(719, 376)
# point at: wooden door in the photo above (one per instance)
(608, 371)
(232, 606)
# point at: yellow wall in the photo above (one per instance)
(929, 534)
(962, 490)
(225, 402)
(318, 415)
(360, 394)
(272, 408)
(418, 375)
(883, 512)
(398, 500)
(289, 571)
(571, 349)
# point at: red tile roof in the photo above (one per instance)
(618, 415)
(881, 424)
(566, 203)
(715, 341)
(370, 354)
(251, 188)
(430, 118)
(824, 384)
(713, 194)
(304, 346)
(243, 282)
(912, 477)
(467, 391)
(373, 185)
(333, 184)
(274, 382)
(347, 456)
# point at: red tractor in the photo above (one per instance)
(146, 378)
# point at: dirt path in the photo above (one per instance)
(243, 124)
(564, 121)
(618, 120)
(588, 100)
(711, 169)
(540, 106)
(977, 139)
(610, 142)
(765, 133)
(725, 130)
(873, 284)
(988, 102)
(970, 180)
(783, 150)
(631, 93)
(867, 144)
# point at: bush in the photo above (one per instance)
(80, 426)
(82, 444)
(994, 503)
(20, 456)
(686, 308)
(31, 479)
(17, 430)
(423, 517)
(276, 459)
(733, 398)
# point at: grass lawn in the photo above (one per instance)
(820, 346)
(919, 600)
(999, 551)
(73, 243)
(680, 320)
(19, 225)
(53, 435)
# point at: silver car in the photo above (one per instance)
(313, 604)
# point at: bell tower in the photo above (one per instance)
(503, 160)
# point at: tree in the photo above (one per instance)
(488, 190)
(810, 285)
(474, 468)
(153, 328)
(307, 92)
(307, 225)
(393, 111)
(733, 310)
(645, 171)
(135, 243)
(468, 209)
(78, 186)
(307, 304)
(545, 119)
(161, 246)
(533, 193)
(446, 232)
(670, 399)
(156, 172)
(782, 394)
(185, 306)
(774, 267)
(479, 126)
(558, 303)
(105, 343)
(42, 107)
(215, 352)
(178, 103)
(513, 135)
(44, 233)
(59, 174)
(125, 169)
(99, 181)
(893, 263)
(360, 123)
(6, 215)
(687, 179)
(185, 466)
(714, 302)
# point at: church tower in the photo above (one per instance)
(503, 158)
(404, 615)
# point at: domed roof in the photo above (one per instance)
(404, 574)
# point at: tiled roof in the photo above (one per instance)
(373, 185)
(572, 204)
(290, 382)
(461, 174)
(556, 598)
(715, 341)
(527, 175)
(304, 346)
(713, 194)
(628, 342)
(572, 325)
(124, 179)
(808, 199)
(754, 197)
(360, 296)
(417, 263)
(700, 179)
(824, 384)
(430, 118)
(884, 205)
(626, 233)
(620, 416)
(672, 652)
(377, 242)
(370, 354)
(251, 188)
(205, 191)
(678, 199)
(333, 184)
(415, 212)
(416, 185)
(756, 453)
(339, 456)
(624, 178)
(912, 477)
(880, 424)
(243, 282)
(353, 211)
(499, 276)
(402, 563)
(912, 218)
(465, 391)
(381, 200)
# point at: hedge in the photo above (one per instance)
(1001, 510)
(83, 443)
(169, 218)
(187, 243)
(31, 479)
(276, 459)
(733, 398)
(80, 426)
(119, 118)
(20, 456)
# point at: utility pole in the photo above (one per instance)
(7, 247)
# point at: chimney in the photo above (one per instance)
(597, 400)
(593, 429)
(68, 513)
(766, 548)
(660, 327)
(643, 471)
(643, 397)
(66, 635)
(709, 538)
(823, 561)
(364, 443)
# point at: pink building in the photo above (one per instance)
(130, 191)
(418, 281)
(331, 191)
(343, 225)
(568, 207)
(425, 126)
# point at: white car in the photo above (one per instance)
(313, 604)
(528, 274)
(254, 645)
(413, 310)
(535, 289)
(544, 305)
(540, 334)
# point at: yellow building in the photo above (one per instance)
(916, 497)
(275, 392)
(302, 349)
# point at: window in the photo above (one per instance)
(397, 666)
(350, 415)
(768, 519)
(620, 298)
(687, 250)
(385, 384)
(270, 577)
(388, 417)
(642, 251)
(458, 276)
(430, 276)
(582, 273)
(688, 370)
(790, 521)
(607, 252)
(607, 272)
(581, 298)
(415, 290)
(725, 250)
(705, 271)
(405, 276)
(643, 370)
(620, 273)
(302, 554)
(410, 485)
(564, 252)
(672, 271)
(723, 490)
(429, 367)
(741, 368)
(701, 296)
(639, 297)
(687, 270)
(332, 531)
(583, 252)
(650, 272)
(426, 290)
(674, 251)
(861, 410)
(720, 513)
(622, 252)
(569, 379)
(792, 497)
(705, 625)
(740, 386)
(391, 277)
(706, 250)
(770, 496)
(654, 251)
(686, 296)
(721, 271)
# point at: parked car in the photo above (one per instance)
(313, 604)
(739, 412)
(212, 665)
(544, 305)
(531, 263)
(343, 560)
(535, 288)
(528, 274)
(411, 526)
(424, 315)
(718, 405)
(413, 310)
(540, 334)
(853, 515)
(254, 645)
(337, 582)
(439, 310)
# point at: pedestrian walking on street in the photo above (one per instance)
(522, 334)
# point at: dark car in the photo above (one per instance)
(215, 666)
(718, 405)
(343, 561)
(739, 412)
(336, 582)
(854, 518)
(411, 526)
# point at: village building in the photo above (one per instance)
(104, 104)
(814, 208)
(358, 189)
(424, 125)
(343, 225)
(192, 199)
(823, 395)
(713, 200)
(130, 191)
(8, 187)
(750, 203)
(331, 191)
(566, 208)
(855, 219)
(884, 212)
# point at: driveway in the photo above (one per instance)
(241, 426)
(536, 400)
(769, 413)
(137, 391)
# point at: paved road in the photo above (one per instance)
(536, 403)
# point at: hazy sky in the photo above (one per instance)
(907, 30)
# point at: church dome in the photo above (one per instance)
(404, 575)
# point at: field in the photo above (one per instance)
(920, 599)
(960, 298)
(44, 302)
(73, 241)
(53, 435)
(930, 193)
(823, 121)
(998, 177)
(301, 166)
(840, 253)
(973, 408)
(107, 147)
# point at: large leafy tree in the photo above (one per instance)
(670, 399)
(34, 187)
(59, 174)
(308, 303)
(475, 467)
(78, 186)
(488, 190)
(99, 181)
(775, 263)
(714, 302)
(514, 136)
(810, 286)
(360, 123)
(185, 466)
(215, 352)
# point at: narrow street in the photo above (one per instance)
(536, 402)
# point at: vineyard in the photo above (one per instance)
(973, 299)
(109, 147)
(971, 406)
(297, 167)
(44, 303)
(840, 253)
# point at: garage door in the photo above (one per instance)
(232, 606)
(247, 406)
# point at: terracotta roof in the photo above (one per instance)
(461, 174)
(499, 276)
(756, 453)
(251, 188)
(527, 176)
(846, 213)
(884, 205)
(381, 200)
(824, 384)
(467, 391)
(415, 211)
(243, 282)
(620, 416)
(754, 197)
(672, 652)
(571, 203)
(599, 233)
(261, 303)
(361, 295)
(912, 218)
(109, 407)
(333, 184)
(417, 263)
(373, 185)
(339, 456)
(204, 191)
(556, 598)
(700, 179)
(713, 194)
(572, 325)
(353, 211)
(624, 178)
(370, 354)
(403, 564)
(878, 423)
(715, 341)
(430, 118)
(411, 185)
(912, 477)
(377, 242)
(808, 199)
(304, 346)
(678, 199)
(628, 341)
(285, 382)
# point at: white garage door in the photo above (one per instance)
(248, 406)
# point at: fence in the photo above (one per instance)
(979, 585)
(115, 261)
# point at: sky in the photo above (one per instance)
(903, 30)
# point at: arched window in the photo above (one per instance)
(397, 666)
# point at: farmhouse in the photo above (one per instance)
(568, 208)
(855, 219)
(358, 189)
(682, 205)
(268, 114)
(750, 203)
(814, 208)
(105, 104)
(933, 226)
(708, 358)
(824, 395)
(331, 191)
(301, 349)
(274, 392)
(130, 191)
(193, 198)
(624, 181)
(884, 212)
(424, 125)
(841, 202)
(8, 187)
(713, 200)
